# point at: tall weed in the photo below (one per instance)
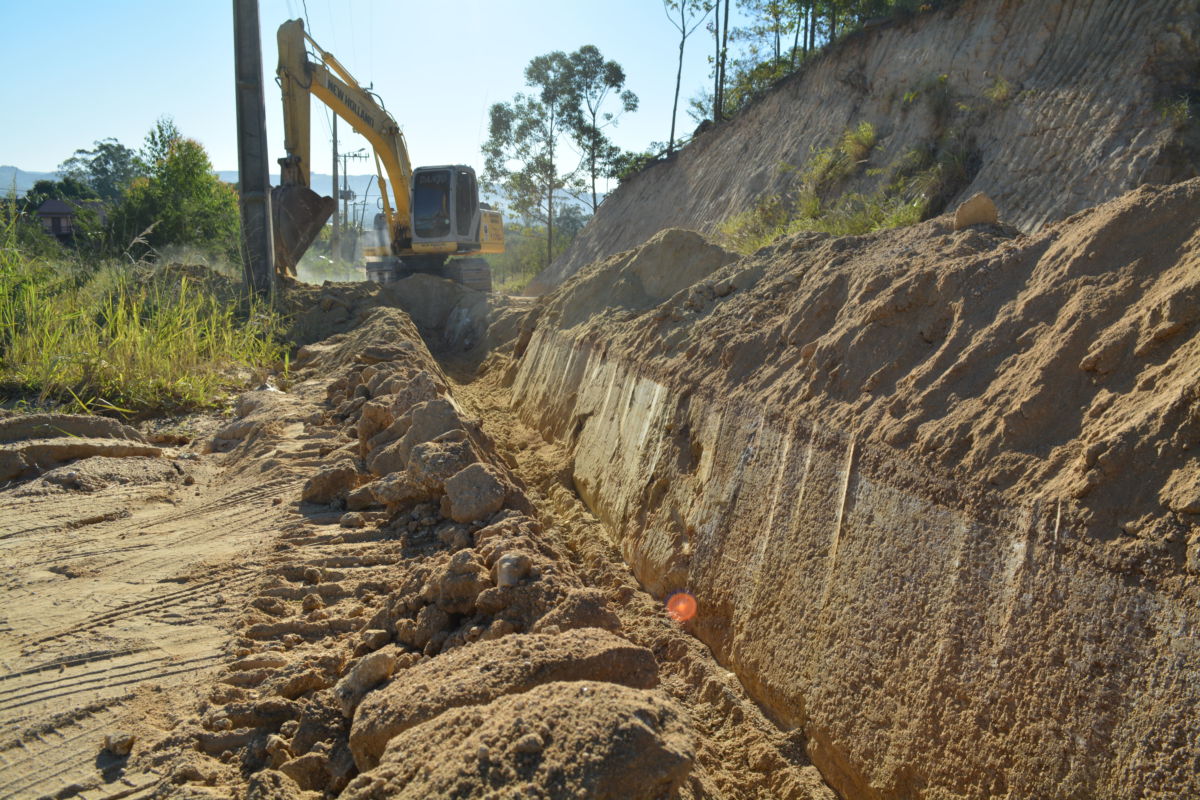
(133, 339)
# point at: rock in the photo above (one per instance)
(596, 740)
(367, 673)
(480, 672)
(466, 577)
(511, 568)
(352, 519)
(581, 608)
(331, 483)
(397, 490)
(420, 388)
(312, 602)
(119, 744)
(431, 463)
(474, 493)
(977, 210)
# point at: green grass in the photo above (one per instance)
(913, 188)
(1000, 92)
(132, 339)
(1178, 112)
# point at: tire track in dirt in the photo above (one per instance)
(122, 593)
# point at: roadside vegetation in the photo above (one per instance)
(107, 321)
(914, 187)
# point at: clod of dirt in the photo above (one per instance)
(330, 483)
(479, 673)
(270, 784)
(581, 608)
(637, 745)
(420, 388)
(119, 744)
(432, 463)
(976, 210)
(367, 673)
(474, 493)
(397, 490)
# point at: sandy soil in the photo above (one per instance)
(120, 580)
(232, 608)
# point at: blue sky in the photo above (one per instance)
(81, 70)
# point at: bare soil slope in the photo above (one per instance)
(1050, 107)
(945, 477)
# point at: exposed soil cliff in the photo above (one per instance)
(944, 478)
(1049, 107)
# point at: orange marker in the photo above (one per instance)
(681, 606)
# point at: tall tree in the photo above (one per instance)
(685, 16)
(180, 200)
(108, 168)
(522, 150)
(594, 80)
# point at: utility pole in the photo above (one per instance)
(254, 182)
(333, 238)
(345, 193)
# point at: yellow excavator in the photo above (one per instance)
(430, 214)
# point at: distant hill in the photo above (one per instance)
(23, 181)
(361, 185)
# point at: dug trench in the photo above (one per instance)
(426, 610)
(931, 490)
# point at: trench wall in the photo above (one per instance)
(928, 644)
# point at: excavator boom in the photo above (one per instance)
(430, 214)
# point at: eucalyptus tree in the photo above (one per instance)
(522, 154)
(595, 81)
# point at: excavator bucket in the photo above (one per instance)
(298, 213)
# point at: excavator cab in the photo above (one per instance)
(445, 208)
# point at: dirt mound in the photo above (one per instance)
(1052, 366)
(450, 317)
(638, 747)
(944, 478)
(421, 626)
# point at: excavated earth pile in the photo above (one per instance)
(934, 490)
(931, 491)
(414, 618)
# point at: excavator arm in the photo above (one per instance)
(299, 212)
